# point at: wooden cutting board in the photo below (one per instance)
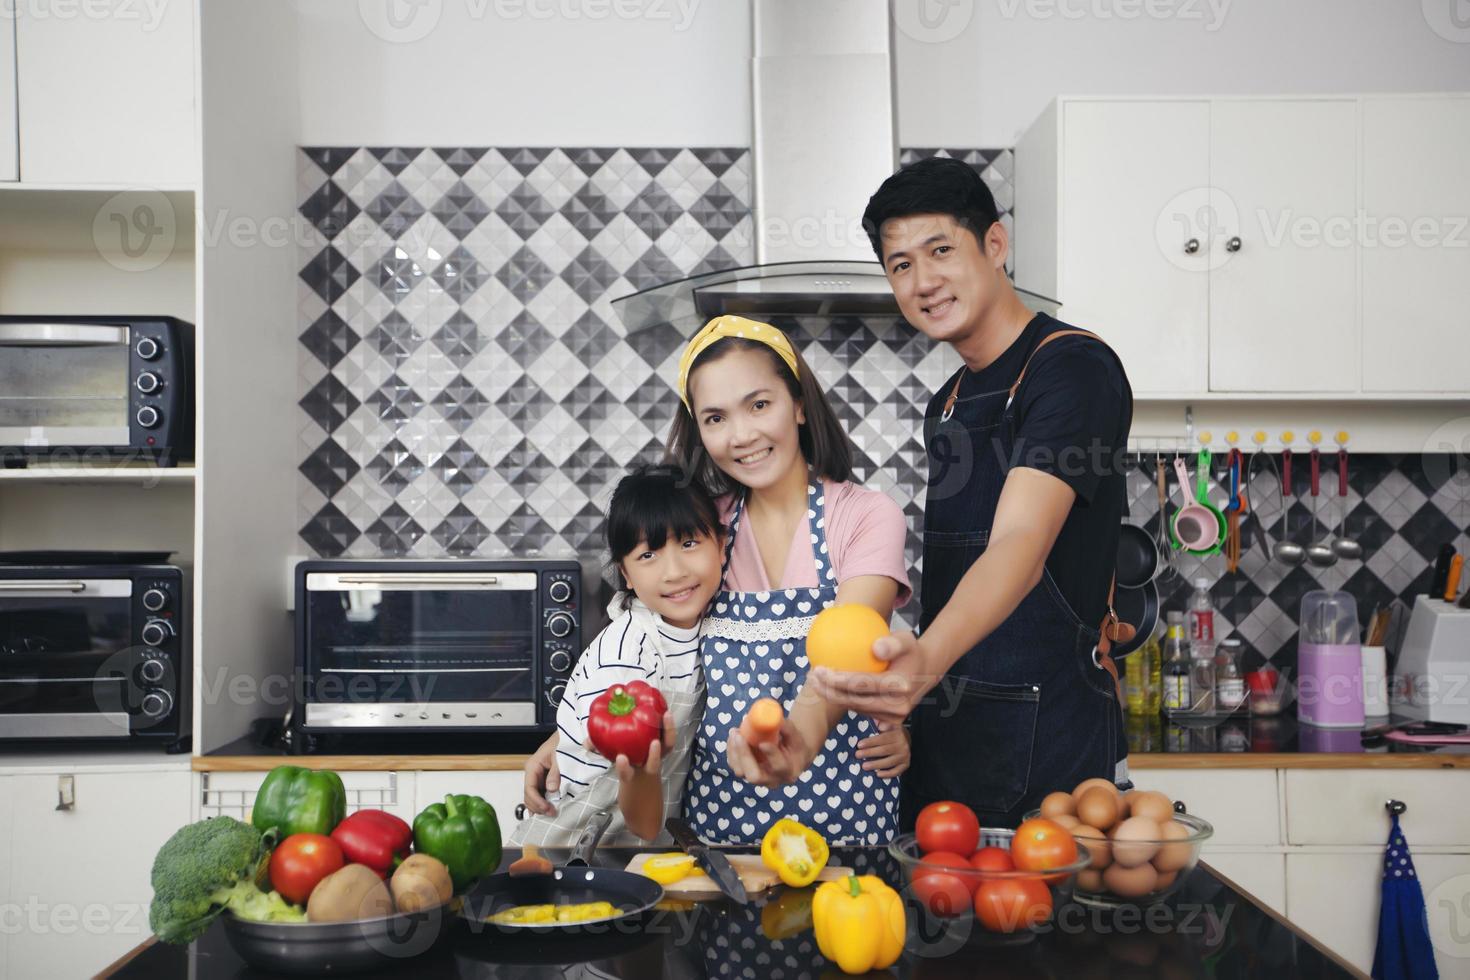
(754, 875)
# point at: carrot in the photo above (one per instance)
(762, 721)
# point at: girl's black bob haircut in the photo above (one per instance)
(653, 502)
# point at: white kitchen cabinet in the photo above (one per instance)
(233, 793)
(7, 925)
(1334, 808)
(502, 789)
(1283, 286)
(1334, 898)
(1109, 196)
(106, 93)
(1416, 254)
(9, 117)
(79, 877)
(1241, 804)
(1261, 874)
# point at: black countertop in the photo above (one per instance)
(1243, 733)
(1208, 929)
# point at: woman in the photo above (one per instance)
(756, 429)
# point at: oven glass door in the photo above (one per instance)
(63, 384)
(65, 657)
(418, 637)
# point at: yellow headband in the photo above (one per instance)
(732, 326)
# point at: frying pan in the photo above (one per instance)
(1140, 607)
(1138, 556)
(315, 948)
(630, 893)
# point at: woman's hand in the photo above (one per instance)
(542, 778)
(886, 753)
(775, 763)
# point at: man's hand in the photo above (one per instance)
(886, 753)
(889, 697)
(542, 778)
(774, 763)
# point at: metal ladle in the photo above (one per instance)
(1319, 552)
(1344, 547)
(1286, 551)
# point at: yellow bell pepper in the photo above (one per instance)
(795, 852)
(859, 923)
(668, 868)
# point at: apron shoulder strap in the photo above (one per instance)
(1037, 349)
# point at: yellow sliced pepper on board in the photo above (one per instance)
(668, 868)
(794, 851)
(859, 922)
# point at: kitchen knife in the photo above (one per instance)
(715, 864)
(1441, 571)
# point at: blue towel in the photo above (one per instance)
(1404, 951)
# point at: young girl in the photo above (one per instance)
(756, 428)
(664, 537)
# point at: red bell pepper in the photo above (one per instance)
(375, 838)
(624, 719)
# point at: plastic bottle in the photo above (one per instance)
(1229, 682)
(1176, 668)
(1143, 678)
(1153, 668)
(1202, 648)
(1202, 615)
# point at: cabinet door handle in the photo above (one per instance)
(1191, 246)
(66, 792)
(1233, 245)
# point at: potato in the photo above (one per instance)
(421, 882)
(347, 894)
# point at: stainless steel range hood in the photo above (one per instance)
(824, 139)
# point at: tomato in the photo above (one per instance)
(942, 893)
(1008, 904)
(302, 860)
(1040, 844)
(992, 859)
(948, 826)
(937, 861)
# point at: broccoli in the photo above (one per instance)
(205, 868)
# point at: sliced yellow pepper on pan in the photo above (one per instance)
(794, 851)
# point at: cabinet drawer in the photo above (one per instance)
(1346, 807)
(1241, 805)
(502, 789)
(232, 794)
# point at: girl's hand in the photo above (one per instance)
(775, 763)
(542, 778)
(887, 753)
(652, 766)
(627, 772)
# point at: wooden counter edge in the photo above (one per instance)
(126, 958)
(363, 763)
(1314, 942)
(514, 763)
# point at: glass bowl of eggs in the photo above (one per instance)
(1142, 845)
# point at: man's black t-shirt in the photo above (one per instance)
(1073, 413)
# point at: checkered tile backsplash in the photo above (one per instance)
(466, 388)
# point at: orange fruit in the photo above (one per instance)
(842, 638)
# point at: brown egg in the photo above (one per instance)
(1172, 857)
(1130, 882)
(1097, 844)
(1098, 807)
(1089, 880)
(1156, 806)
(1088, 784)
(1135, 841)
(1066, 820)
(1058, 804)
(1165, 880)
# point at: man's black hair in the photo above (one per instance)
(935, 185)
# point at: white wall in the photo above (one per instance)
(525, 72)
(978, 72)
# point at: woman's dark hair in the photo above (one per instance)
(653, 502)
(824, 442)
(935, 185)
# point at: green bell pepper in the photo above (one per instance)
(299, 801)
(463, 833)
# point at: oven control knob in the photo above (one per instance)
(148, 416)
(154, 600)
(553, 696)
(560, 624)
(148, 382)
(147, 348)
(559, 661)
(151, 671)
(156, 704)
(156, 632)
(559, 591)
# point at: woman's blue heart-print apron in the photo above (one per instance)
(754, 646)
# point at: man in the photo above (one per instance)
(1007, 688)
